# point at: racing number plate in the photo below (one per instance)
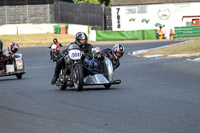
(75, 54)
(19, 63)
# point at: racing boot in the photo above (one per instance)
(59, 65)
(55, 77)
(53, 81)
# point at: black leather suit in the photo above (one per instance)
(86, 48)
(108, 53)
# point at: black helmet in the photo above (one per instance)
(55, 40)
(81, 36)
(118, 48)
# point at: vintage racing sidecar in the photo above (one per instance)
(16, 67)
(73, 75)
(106, 78)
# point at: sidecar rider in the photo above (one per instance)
(7, 53)
(113, 54)
(85, 47)
(58, 45)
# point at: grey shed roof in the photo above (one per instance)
(142, 2)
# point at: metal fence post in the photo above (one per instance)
(102, 18)
(27, 11)
(6, 12)
(48, 11)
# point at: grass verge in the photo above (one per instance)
(27, 40)
(189, 49)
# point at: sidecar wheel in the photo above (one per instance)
(63, 87)
(19, 76)
(107, 86)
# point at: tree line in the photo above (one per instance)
(104, 2)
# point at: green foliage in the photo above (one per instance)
(105, 2)
(88, 1)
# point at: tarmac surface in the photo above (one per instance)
(155, 96)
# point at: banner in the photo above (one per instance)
(126, 35)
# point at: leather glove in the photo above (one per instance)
(10, 57)
(98, 56)
(83, 53)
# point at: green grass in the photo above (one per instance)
(26, 40)
(36, 39)
(190, 48)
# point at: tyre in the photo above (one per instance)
(63, 87)
(54, 58)
(107, 86)
(54, 55)
(19, 76)
(78, 77)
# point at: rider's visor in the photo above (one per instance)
(119, 54)
(82, 41)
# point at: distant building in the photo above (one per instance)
(29, 2)
(49, 11)
(145, 14)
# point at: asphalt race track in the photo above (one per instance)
(155, 96)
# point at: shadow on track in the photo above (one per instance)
(88, 89)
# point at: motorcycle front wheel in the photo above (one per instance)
(54, 58)
(78, 77)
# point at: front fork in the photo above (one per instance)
(72, 64)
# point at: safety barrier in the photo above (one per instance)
(187, 31)
(57, 29)
(49, 11)
(15, 29)
(126, 35)
(64, 30)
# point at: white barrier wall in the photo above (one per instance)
(38, 29)
(35, 28)
(8, 29)
(171, 15)
(26, 29)
(92, 35)
(74, 28)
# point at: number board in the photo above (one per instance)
(75, 54)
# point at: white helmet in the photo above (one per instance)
(118, 48)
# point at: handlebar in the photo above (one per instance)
(83, 53)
